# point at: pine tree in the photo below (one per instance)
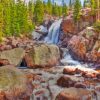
(31, 9)
(85, 3)
(55, 10)
(70, 4)
(1, 20)
(49, 5)
(77, 8)
(38, 12)
(64, 8)
(93, 6)
(60, 10)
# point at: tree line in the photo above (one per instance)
(18, 17)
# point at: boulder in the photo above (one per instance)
(43, 55)
(78, 47)
(74, 94)
(13, 56)
(68, 81)
(14, 84)
(36, 35)
(68, 26)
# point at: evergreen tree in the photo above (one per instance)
(1, 20)
(49, 5)
(31, 9)
(60, 10)
(38, 12)
(85, 3)
(70, 4)
(77, 8)
(64, 8)
(93, 6)
(55, 10)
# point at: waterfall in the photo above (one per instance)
(53, 38)
(53, 33)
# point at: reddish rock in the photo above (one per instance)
(68, 26)
(98, 75)
(74, 94)
(80, 85)
(69, 71)
(93, 56)
(77, 46)
(4, 62)
(29, 61)
(65, 81)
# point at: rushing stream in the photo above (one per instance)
(54, 33)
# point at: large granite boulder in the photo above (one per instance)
(43, 55)
(12, 57)
(78, 47)
(74, 94)
(14, 85)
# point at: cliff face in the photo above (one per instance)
(86, 19)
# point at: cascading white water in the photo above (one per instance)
(53, 33)
(53, 38)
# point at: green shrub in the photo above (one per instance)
(97, 26)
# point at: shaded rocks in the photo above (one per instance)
(74, 94)
(68, 81)
(43, 55)
(14, 84)
(12, 57)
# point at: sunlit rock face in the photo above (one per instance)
(14, 84)
(77, 47)
(43, 55)
(12, 57)
(84, 46)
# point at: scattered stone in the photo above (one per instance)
(80, 85)
(74, 94)
(68, 81)
(69, 71)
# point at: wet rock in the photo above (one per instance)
(98, 75)
(80, 85)
(13, 56)
(69, 71)
(97, 90)
(74, 94)
(14, 84)
(36, 35)
(77, 47)
(68, 81)
(43, 55)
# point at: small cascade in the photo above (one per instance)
(67, 59)
(53, 33)
(53, 38)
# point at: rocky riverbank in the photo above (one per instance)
(43, 77)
